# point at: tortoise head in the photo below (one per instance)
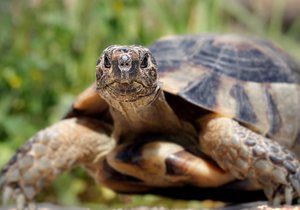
(126, 73)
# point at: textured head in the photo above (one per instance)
(126, 73)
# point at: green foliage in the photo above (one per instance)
(49, 49)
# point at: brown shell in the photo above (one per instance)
(241, 77)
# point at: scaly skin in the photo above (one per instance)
(246, 154)
(50, 152)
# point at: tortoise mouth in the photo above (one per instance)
(126, 88)
(127, 91)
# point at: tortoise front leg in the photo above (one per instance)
(50, 152)
(248, 155)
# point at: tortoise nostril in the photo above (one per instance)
(125, 61)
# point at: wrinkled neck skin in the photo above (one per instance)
(147, 114)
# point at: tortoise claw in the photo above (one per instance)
(7, 194)
(276, 200)
(20, 201)
(285, 193)
(32, 206)
(288, 194)
(269, 191)
(296, 185)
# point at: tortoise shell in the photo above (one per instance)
(241, 77)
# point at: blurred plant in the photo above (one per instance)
(48, 54)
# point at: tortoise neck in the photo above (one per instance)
(149, 114)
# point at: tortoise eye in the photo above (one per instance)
(144, 63)
(107, 63)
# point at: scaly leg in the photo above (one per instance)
(50, 152)
(248, 155)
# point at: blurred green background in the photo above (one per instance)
(48, 54)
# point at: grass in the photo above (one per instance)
(48, 54)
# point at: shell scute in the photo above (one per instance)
(203, 90)
(245, 108)
(232, 75)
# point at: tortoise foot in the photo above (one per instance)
(247, 155)
(22, 201)
(283, 193)
(49, 153)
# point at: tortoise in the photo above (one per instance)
(204, 110)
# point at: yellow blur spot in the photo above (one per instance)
(12, 78)
(15, 82)
(36, 75)
(107, 194)
(118, 6)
